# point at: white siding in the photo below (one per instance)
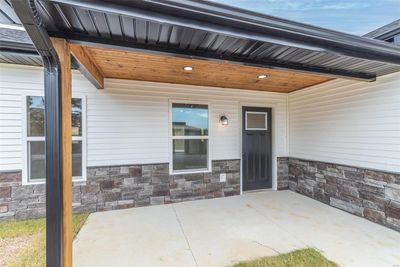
(13, 83)
(347, 122)
(127, 122)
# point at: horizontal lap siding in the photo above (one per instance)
(137, 114)
(346, 122)
(128, 121)
(14, 82)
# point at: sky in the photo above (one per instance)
(195, 117)
(351, 16)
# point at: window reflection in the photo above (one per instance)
(190, 154)
(189, 120)
(76, 158)
(76, 116)
(37, 160)
(35, 115)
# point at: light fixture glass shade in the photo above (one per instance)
(223, 120)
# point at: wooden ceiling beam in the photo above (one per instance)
(83, 61)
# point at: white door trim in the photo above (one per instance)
(274, 156)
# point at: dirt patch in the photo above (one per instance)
(10, 247)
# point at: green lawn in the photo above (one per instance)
(300, 258)
(34, 254)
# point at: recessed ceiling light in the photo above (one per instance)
(262, 76)
(188, 68)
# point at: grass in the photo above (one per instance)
(35, 253)
(299, 258)
(9, 229)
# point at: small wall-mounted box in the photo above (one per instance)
(222, 177)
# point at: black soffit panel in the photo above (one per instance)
(208, 30)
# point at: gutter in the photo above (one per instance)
(19, 49)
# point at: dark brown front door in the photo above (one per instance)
(257, 148)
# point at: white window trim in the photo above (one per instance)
(26, 139)
(257, 129)
(171, 137)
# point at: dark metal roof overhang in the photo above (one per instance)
(16, 47)
(207, 30)
(385, 32)
(19, 53)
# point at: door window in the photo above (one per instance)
(256, 120)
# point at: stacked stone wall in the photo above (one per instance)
(372, 194)
(119, 187)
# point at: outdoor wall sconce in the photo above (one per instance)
(223, 120)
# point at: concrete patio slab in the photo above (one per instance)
(220, 232)
(133, 237)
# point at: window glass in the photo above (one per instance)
(189, 120)
(37, 160)
(76, 116)
(36, 137)
(256, 120)
(76, 158)
(35, 115)
(190, 154)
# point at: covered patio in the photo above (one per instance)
(148, 53)
(221, 232)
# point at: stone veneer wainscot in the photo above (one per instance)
(372, 194)
(118, 187)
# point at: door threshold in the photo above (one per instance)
(257, 190)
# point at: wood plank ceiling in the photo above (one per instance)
(159, 68)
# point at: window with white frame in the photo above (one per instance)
(190, 146)
(256, 120)
(35, 139)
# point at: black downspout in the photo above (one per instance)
(54, 187)
(26, 11)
